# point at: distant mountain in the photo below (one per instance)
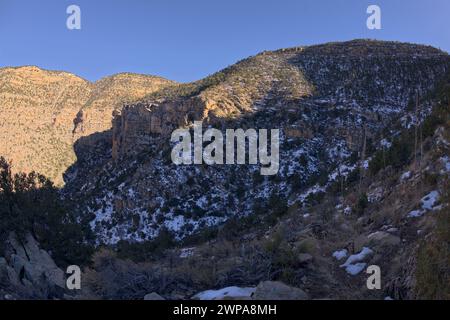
(42, 113)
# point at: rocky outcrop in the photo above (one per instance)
(30, 271)
(274, 290)
(144, 124)
(153, 297)
(109, 95)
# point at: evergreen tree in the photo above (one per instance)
(30, 204)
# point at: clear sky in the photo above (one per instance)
(185, 40)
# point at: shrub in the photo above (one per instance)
(147, 250)
(236, 226)
(307, 245)
(397, 155)
(277, 206)
(283, 258)
(433, 259)
(362, 204)
(201, 236)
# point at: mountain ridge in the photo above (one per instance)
(40, 109)
(324, 105)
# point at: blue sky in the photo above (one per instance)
(185, 40)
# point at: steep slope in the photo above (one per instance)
(334, 103)
(322, 249)
(43, 113)
(37, 112)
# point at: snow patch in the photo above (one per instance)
(428, 203)
(406, 176)
(340, 254)
(229, 292)
(354, 264)
(348, 211)
(416, 214)
(446, 162)
(186, 252)
(430, 200)
(385, 143)
(354, 269)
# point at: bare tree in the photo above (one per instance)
(416, 124)
(363, 155)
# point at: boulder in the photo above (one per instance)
(35, 263)
(305, 258)
(7, 274)
(382, 238)
(274, 290)
(31, 270)
(153, 296)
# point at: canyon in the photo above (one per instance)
(363, 172)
